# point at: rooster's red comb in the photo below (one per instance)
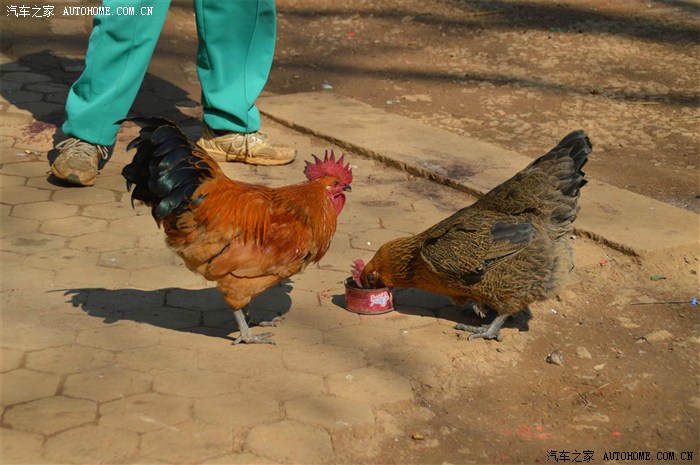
(328, 167)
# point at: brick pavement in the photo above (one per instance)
(113, 352)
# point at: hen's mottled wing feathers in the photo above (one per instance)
(465, 250)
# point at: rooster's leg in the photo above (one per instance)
(492, 331)
(255, 321)
(247, 336)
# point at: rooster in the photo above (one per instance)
(245, 237)
(505, 251)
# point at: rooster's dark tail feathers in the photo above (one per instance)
(166, 169)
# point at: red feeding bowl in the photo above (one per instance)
(367, 301)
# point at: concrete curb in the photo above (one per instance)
(628, 222)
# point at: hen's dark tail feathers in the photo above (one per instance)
(167, 169)
(566, 161)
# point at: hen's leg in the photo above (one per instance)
(247, 336)
(492, 331)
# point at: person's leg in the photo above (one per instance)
(236, 46)
(119, 50)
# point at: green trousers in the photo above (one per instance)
(236, 46)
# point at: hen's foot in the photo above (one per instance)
(250, 338)
(492, 331)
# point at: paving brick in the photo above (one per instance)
(202, 299)
(45, 182)
(23, 385)
(155, 359)
(135, 259)
(10, 359)
(372, 239)
(196, 383)
(44, 210)
(187, 443)
(362, 337)
(426, 365)
(16, 195)
(291, 442)
(92, 444)
(12, 227)
(403, 319)
(109, 211)
(71, 227)
(117, 183)
(33, 243)
(22, 279)
(283, 384)
(41, 109)
(20, 447)
(319, 317)
(240, 360)
(60, 259)
(46, 87)
(91, 196)
(51, 414)
(165, 277)
(155, 241)
(104, 384)
(28, 169)
(102, 241)
(85, 275)
(316, 279)
(418, 298)
(30, 337)
(330, 412)
(25, 77)
(239, 459)
(323, 359)
(145, 412)
(439, 337)
(291, 336)
(7, 181)
(68, 359)
(371, 385)
(119, 337)
(240, 409)
(141, 225)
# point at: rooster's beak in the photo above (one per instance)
(347, 187)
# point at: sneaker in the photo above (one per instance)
(252, 148)
(77, 161)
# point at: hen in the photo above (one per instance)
(507, 250)
(245, 237)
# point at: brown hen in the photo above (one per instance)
(507, 250)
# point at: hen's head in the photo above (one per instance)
(334, 175)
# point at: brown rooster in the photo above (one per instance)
(505, 251)
(245, 237)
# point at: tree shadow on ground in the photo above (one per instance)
(417, 302)
(200, 311)
(39, 82)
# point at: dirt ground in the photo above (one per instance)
(519, 74)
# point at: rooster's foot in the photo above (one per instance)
(250, 338)
(272, 322)
(492, 331)
(247, 337)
